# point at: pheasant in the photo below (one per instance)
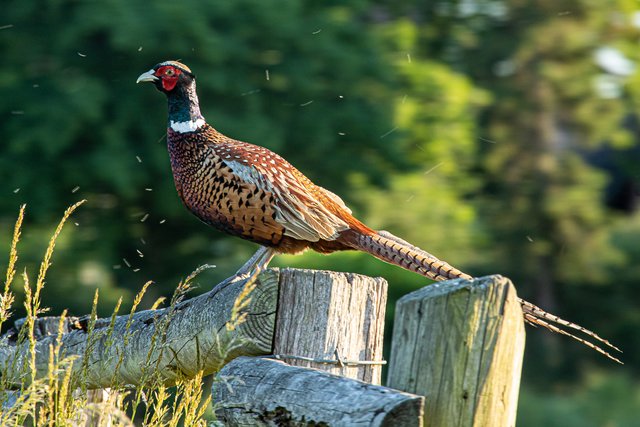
(250, 192)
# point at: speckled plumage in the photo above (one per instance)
(250, 192)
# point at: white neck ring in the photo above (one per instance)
(188, 126)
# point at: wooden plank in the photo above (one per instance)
(252, 391)
(324, 315)
(460, 344)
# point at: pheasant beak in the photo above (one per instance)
(147, 77)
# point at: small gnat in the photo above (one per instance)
(126, 262)
(138, 159)
(144, 218)
(148, 189)
(388, 133)
(251, 92)
(16, 190)
(76, 188)
(162, 221)
(140, 254)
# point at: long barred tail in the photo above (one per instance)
(389, 248)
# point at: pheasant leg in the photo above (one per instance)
(257, 263)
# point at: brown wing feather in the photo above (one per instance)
(301, 207)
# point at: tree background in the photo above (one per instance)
(501, 135)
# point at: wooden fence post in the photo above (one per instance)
(324, 315)
(460, 344)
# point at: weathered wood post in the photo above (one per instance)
(332, 322)
(328, 316)
(460, 344)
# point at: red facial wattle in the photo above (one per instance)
(169, 76)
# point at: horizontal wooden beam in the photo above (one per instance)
(171, 342)
(263, 392)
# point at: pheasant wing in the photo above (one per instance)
(302, 208)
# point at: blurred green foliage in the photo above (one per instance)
(485, 131)
(599, 400)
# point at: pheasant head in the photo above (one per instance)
(177, 81)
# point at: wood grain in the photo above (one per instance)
(460, 344)
(322, 314)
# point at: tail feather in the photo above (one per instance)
(389, 248)
(536, 316)
(392, 249)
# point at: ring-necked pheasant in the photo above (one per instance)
(250, 192)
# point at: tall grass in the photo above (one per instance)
(59, 397)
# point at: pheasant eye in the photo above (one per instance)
(169, 72)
